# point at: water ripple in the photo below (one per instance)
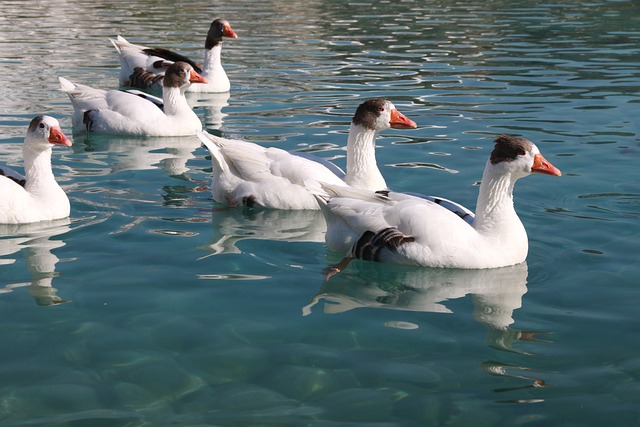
(163, 329)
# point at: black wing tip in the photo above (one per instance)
(370, 245)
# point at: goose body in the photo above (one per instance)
(249, 174)
(144, 67)
(36, 196)
(126, 113)
(405, 229)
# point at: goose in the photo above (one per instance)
(36, 196)
(248, 174)
(126, 113)
(404, 229)
(144, 67)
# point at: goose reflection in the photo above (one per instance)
(35, 243)
(212, 105)
(496, 294)
(230, 226)
(124, 153)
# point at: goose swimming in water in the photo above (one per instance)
(36, 196)
(405, 229)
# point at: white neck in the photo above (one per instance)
(362, 168)
(174, 100)
(212, 62)
(37, 170)
(495, 213)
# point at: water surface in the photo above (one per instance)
(151, 306)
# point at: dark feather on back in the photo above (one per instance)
(370, 244)
(143, 79)
(20, 182)
(172, 56)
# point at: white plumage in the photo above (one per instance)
(405, 229)
(36, 196)
(249, 174)
(144, 67)
(125, 113)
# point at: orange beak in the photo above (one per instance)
(228, 32)
(542, 165)
(57, 137)
(194, 77)
(400, 121)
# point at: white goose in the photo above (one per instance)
(404, 229)
(126, 113)
(252, 175)
(36, 196)
(144, 67)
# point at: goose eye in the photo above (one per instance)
(521, 152)
(41, 125)
(380, 109)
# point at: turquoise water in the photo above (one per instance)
(150, 308)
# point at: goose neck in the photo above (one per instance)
(495, 206)
(37, 167)
(174, 100)
(212, 59)
(362, 168)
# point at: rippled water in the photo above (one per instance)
(150, 308)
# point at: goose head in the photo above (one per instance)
(44, 131)
(181, 75)
(219, 28)
(519, 157)
(379, 114)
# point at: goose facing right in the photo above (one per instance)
(403, 229)
(144, 67)
(124, 113)
(36, 196)
(245, 173)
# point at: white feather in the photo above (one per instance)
(432, 235)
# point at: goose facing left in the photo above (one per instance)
(36, 196)
(125, 113)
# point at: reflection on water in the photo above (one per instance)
(222, 341)
(211, 105)
(170, 154)
(36, 243)
(231, 226)
(495, 293)
(513, 371)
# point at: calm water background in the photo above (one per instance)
(178, 314)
